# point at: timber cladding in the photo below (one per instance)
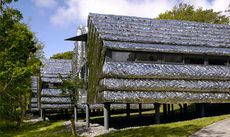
(134, 59)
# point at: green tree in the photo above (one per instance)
(71, 85)
(17, 63)
(189, 13)
(64, 55)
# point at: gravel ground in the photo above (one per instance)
(93, 130)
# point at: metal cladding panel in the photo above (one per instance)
(53, 92)
(165, 85)
(56, 106)
(34, 82)
(80, 51)
(34, 100)
(34, 105)
(55, 100)
(34, 109)
(167, 71)
(146, 30)
(128, 46)
(175, 83)
(51, 80)
(164, 97)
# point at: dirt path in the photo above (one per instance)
(218, 129)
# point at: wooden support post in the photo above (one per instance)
(168, 108)
(75, 113)
(87, 115)
(185, 107)
(106, 115)
(181, 108)
(43, 115)
(157, 113)
(128, 110)
(165, 109)
(172, 108)
(140, 110)
(202, 110)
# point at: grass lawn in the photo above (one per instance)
(39, 129)
(175, 129)
(58, 129)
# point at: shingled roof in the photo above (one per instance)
(53, 67)
(144, 34)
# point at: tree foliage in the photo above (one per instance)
(189, 13)
(71, 85)
(64, 55)
(18, 61)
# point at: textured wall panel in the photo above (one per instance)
(51, 80)
(34, 82)
(165, 97)
(53, 92)
(56, 106)
(128, 46)
(144, 70)
(34, 100)
(55, 100)
(166, 85)
(79, 51)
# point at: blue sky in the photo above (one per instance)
(55, 20)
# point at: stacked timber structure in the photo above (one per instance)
(141, 60)
(51, 96)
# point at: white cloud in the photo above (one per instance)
(78, 10)
(45, 3)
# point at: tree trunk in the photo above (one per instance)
(73, 127)
(22, 111)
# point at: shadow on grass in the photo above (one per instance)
(157, 131)
(147, 119)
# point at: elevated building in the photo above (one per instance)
(51, 95)
(142, 60)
